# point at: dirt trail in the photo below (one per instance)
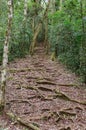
(44, 93)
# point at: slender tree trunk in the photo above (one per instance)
(37, 29)
(33, 24)
(46, 44)
(25, 11)
(24, 25)
(60, 6)
(34, 39)
(5, 56)
(52, 10)
(52, 6)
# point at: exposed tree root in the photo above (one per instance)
(65, 97)
(57, 94)
(42, 117)
(32, 126)
(67, 113)
(39, 78)
(32, 77)
(19, 70)
(68, 128)
(21, 101)
(49, 81)
(45, 89)
(32, 97)
(79, 108)
(57, 116)
(68, 109)
(46, 109)
(73, 85)
(39, 94)
(35, 88)
(46, 116)
(45, 82)
(46, 78)
(53, 114)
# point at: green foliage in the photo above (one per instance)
(21, 33)
(66, 30)
(20, 42)
(67, 44)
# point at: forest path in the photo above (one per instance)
(43, 92)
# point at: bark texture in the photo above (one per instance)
(38, 29)
(25, 11)
(60, 7)
(5, 56)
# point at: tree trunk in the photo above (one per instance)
(52, 10)
(34, 38)
(60, 6)
(5, 56)
(25, 11)
(24, 25)
(46, 44)
(52, 6)
(33, 24)
(37, 30)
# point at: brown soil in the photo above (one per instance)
(44, 93)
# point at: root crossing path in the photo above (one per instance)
(43, 95)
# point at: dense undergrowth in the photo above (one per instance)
(21, 34)
(68, 45)
(66, 31)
